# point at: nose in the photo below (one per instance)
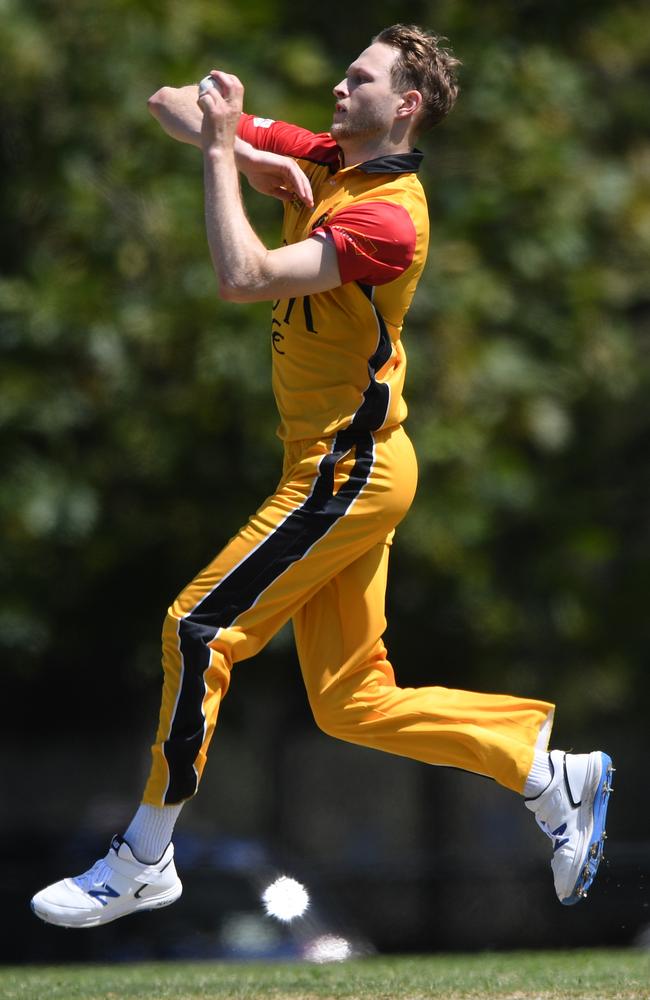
(341, 89)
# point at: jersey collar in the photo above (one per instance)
(396, 163)
(392, 163)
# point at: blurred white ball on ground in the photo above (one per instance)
(328, 948)
(285, 899)
(206, 83)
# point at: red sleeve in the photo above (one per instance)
(290, 140)
(375, 241)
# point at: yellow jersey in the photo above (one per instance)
(338, 359)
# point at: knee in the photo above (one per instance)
(195, 641)
(336, 716)
(324, 719)
(187, 628)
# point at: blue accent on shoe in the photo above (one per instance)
(595, 848)
(104, 891)
(557, 843)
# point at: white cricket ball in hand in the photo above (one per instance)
(206, 83)
(285, 899)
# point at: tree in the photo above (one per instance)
(135, 408)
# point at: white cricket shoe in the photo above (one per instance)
(115, 886)
(571, 811)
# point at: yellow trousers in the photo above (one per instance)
(317, 551)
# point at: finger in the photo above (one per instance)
(220, 82)
(228, 84)
(305, 191)
(299, 181)
(210, 101)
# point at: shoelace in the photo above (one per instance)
(97, 875)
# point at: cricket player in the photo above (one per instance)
(354, 245)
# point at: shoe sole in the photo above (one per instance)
(593, 854)
(97, 919)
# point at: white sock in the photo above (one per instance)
(150, 831)
(540, 775)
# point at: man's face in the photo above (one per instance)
(365, 100)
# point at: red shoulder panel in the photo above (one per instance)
(375, 241)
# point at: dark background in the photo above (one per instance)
(136, 433)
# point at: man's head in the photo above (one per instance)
(402, 84)
(425, 65)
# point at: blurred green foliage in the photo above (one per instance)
(136, 413)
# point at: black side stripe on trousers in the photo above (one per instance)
(241, 589)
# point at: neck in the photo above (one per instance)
(364, 148)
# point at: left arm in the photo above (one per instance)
(174, 108)
(246, 270)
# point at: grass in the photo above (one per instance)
(589, 975)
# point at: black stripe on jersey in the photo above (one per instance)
(242, 588)
(376, 397)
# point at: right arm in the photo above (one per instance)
(176, 111)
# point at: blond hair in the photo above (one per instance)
(423, 64)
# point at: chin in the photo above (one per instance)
(341, 130)
(359, 131)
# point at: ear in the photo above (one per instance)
(410, 104)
